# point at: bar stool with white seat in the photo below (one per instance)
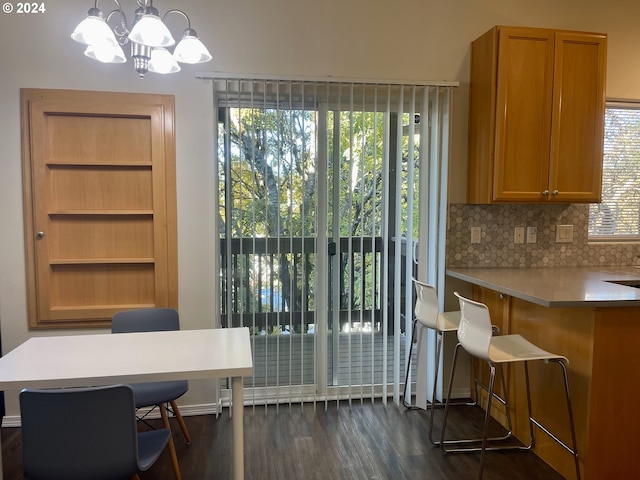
(475, 337)
(427, 313)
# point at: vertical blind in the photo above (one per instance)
(329, 194)
(617, 217)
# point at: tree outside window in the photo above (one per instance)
(618, 216)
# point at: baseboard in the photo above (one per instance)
(185, 410)
(12, 421)
(460, 393)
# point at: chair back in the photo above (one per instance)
(475, 331)
(426, 309)
(145, 320)
(79, 433)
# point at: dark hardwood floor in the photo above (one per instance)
(361, 441)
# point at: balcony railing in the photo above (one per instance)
(271, 288)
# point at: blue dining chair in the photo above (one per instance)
(80, 433)
(156, 394)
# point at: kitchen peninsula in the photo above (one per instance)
(591, 315)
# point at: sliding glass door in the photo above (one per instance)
(318, 221)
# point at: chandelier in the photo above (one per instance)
(148, 37)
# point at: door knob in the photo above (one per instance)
(40, 234)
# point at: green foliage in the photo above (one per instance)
(270, 159)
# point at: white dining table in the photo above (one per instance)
(104, 359)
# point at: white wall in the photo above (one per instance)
(376, 39)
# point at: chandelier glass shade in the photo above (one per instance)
(109, 54)
(162, 61)
(148, 38)
(190, 49)
(93, 30)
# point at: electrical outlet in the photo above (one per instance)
(564, 233)
(532, 234)
(518, 235)
(476, 234)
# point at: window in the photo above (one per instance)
(618, 216)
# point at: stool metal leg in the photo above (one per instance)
(435, 384)
(527, 385)
(487, 416)
(532, 421)
(485, 446)
(448, 397)
(491, 394)
(574, 452)
(433, 404)
(439, 340)
(406, 378)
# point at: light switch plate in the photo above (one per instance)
(564, 233)
(518, 235)
(476, 234)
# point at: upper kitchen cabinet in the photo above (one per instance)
(536, 116)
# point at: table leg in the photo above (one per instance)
(238, 428)
(1, 465)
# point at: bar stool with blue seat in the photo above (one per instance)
(476, 338)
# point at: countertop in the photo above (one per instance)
(560, 287)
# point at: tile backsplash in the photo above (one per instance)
(497, 247)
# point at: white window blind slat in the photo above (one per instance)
(617, 217)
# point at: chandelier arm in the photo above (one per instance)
(181, 13)
(121, 30)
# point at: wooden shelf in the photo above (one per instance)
(99, 164)
(101, 261)
(129, 306)
(101, 212)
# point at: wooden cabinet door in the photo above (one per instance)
(100, 206)
(523, 114)
(536, 116)
(577, 133)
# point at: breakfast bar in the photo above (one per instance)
(591, 315)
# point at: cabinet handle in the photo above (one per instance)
(555, 192)
(40, 234)
(545, 192)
